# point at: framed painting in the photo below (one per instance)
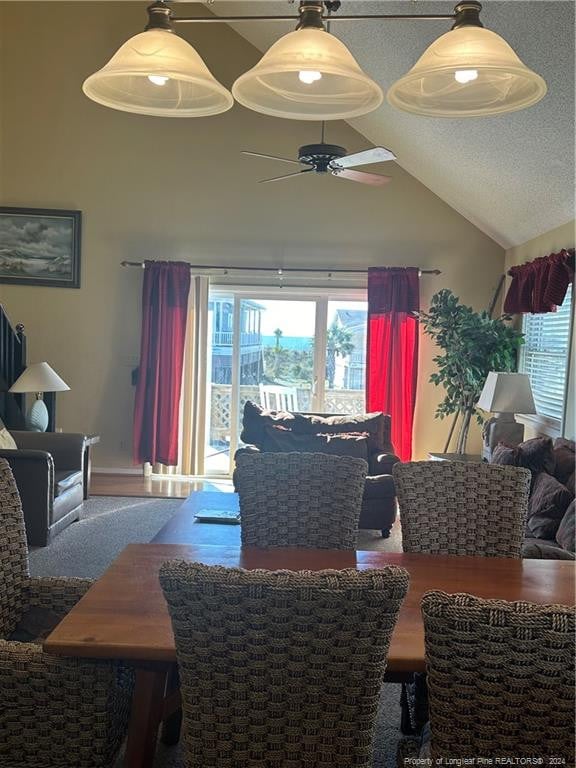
(40, 247)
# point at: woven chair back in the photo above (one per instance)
(299, 499)
(13, 551)
(500, 679)
(280, 668)
(452, 508)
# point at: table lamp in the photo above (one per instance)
(505, 394)
(38, 378)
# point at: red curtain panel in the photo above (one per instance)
(164, 314)
(392, 358)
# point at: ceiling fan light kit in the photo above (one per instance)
(311, 75)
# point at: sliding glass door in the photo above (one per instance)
(284, 351)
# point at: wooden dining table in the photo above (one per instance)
(124, 614)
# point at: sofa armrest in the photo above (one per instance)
(67, 448)
(34, 475)
(382, 463)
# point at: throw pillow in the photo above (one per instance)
(281, 440)
(566, 533)
(256, 418)
(547, 505)
(6, 440)
(371, 423)
(537, 455)
(506, 455)
(565, 459)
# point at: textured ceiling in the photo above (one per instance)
(512, 175)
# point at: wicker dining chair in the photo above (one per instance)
(280, 668)
(452, 508)
(299, 499)
(54, 712)
(500, 678)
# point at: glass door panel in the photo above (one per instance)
(276, 354)
(219, 390)
(344, 390)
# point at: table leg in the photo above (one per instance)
(172, 723)
(146, 715)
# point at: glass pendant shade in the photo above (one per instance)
(158, 73)
(468, 72)
(308, 75)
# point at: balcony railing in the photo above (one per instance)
(226, 338)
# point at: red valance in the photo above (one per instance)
(393, 289)
(540, 285)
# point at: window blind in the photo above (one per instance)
(544, 357)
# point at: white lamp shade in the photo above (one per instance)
(39, 377)
(308, 75)
(467, 72)
(158, 73)
(507, 393)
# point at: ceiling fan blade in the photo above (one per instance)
(287, 176)
(374, 179)
(374, 155)
(271, 157)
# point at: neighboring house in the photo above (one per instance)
(350, 371)
(251, 356)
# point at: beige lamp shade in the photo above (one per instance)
(39, 377)
(507, 393)
(468, 72)
(158, 73)
(308, 75)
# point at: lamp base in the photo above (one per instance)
(502, 428)
(37, 417)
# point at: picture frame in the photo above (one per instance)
(40, 246)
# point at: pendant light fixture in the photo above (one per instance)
(308, 75)
(468, 72)
(158, 73)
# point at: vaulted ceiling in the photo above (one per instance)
(511, 175)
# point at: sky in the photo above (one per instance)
(296, 318)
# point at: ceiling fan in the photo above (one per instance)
(331, 158)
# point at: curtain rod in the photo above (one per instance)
(279, 270)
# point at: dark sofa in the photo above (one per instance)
(365, 436)
(551, 506)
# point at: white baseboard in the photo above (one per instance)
(117, 471)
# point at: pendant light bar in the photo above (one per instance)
(379, 17)
(309, 74)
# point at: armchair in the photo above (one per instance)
(364, 436)
(53, 711)
(48, 468)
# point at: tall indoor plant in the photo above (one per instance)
(472, 344)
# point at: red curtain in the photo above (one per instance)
(540, 285)
(392, 358)
(164, 313)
